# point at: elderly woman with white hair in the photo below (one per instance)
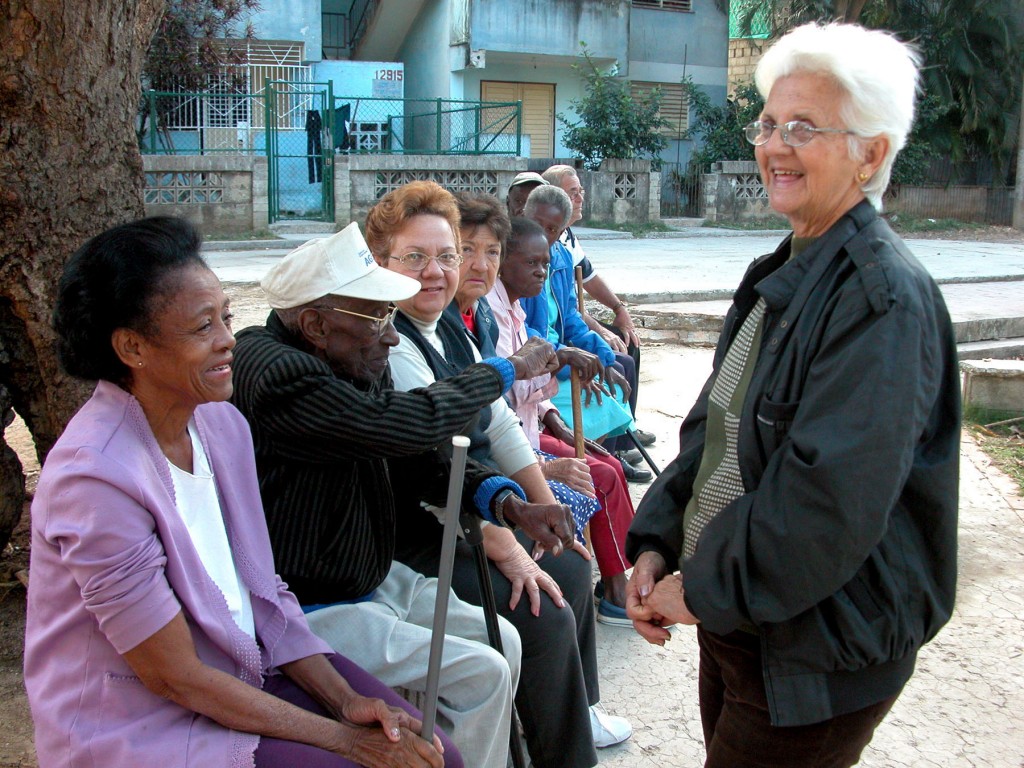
(808, 525)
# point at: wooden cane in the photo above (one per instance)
(577, 404)
(577, 414)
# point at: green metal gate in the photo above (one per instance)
(300, 150)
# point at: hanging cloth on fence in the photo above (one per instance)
(314, 146)
(341, 126)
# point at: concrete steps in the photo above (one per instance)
(988, 319)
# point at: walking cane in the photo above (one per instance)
(475, 539)
(444, 582)
(643, 452)
(577, 405)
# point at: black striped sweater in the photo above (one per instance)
(322, 445)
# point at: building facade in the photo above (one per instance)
(515, 50)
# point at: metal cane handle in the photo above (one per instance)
(444, 581)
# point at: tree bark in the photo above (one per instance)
(1018, 195)
(69, 168)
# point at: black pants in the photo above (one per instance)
(314, 156)
(737, 727)
(558, 681)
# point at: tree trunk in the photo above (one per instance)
(1018, 196)
(69, 169)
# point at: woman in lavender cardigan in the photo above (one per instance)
(158, 633)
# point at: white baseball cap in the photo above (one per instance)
(340, 265)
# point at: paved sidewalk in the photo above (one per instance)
(705, 265)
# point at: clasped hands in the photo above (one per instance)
(654, 599)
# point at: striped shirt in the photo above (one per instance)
(321, 448)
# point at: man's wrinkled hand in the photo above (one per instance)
(534, 358)
(592, 388)
(584, 363)
(613, 379)
(612, 340)
(549, 525)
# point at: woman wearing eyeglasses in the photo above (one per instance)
(808, 525)
(414, 231)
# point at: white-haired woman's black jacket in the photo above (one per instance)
(841, 555)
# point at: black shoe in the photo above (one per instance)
(635, 474)
(645, 438)
(633, 456)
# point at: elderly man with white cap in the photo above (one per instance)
(315, 386)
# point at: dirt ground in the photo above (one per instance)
(988, 234)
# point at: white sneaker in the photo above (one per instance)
(608, 729)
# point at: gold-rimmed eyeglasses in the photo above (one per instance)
(417, 262)
(795, 133)
(380, 324)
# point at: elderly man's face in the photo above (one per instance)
(551, 220)
(354, 345)
(517, 197)
(570, 184)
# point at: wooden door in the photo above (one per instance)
(538, 110)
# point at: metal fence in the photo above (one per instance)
(429, 126)
(682, 190)
(183, 123)
(193, 123)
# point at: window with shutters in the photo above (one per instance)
(675, 105)
(665, 5)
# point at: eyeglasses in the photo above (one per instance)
(795, 133)
(380, 324)
(417, 262)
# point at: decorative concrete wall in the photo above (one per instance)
(228, 194)
(222, 194)
(733, 192)
(621, 191)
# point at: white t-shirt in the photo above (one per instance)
(199, 507)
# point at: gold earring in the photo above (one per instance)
(862, 177)
(140, 364)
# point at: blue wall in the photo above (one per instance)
(292, 20)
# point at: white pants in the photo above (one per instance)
(389, 637)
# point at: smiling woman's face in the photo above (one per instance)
(187, 361)
(431, 236)
(481, 254)
(815, 184)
